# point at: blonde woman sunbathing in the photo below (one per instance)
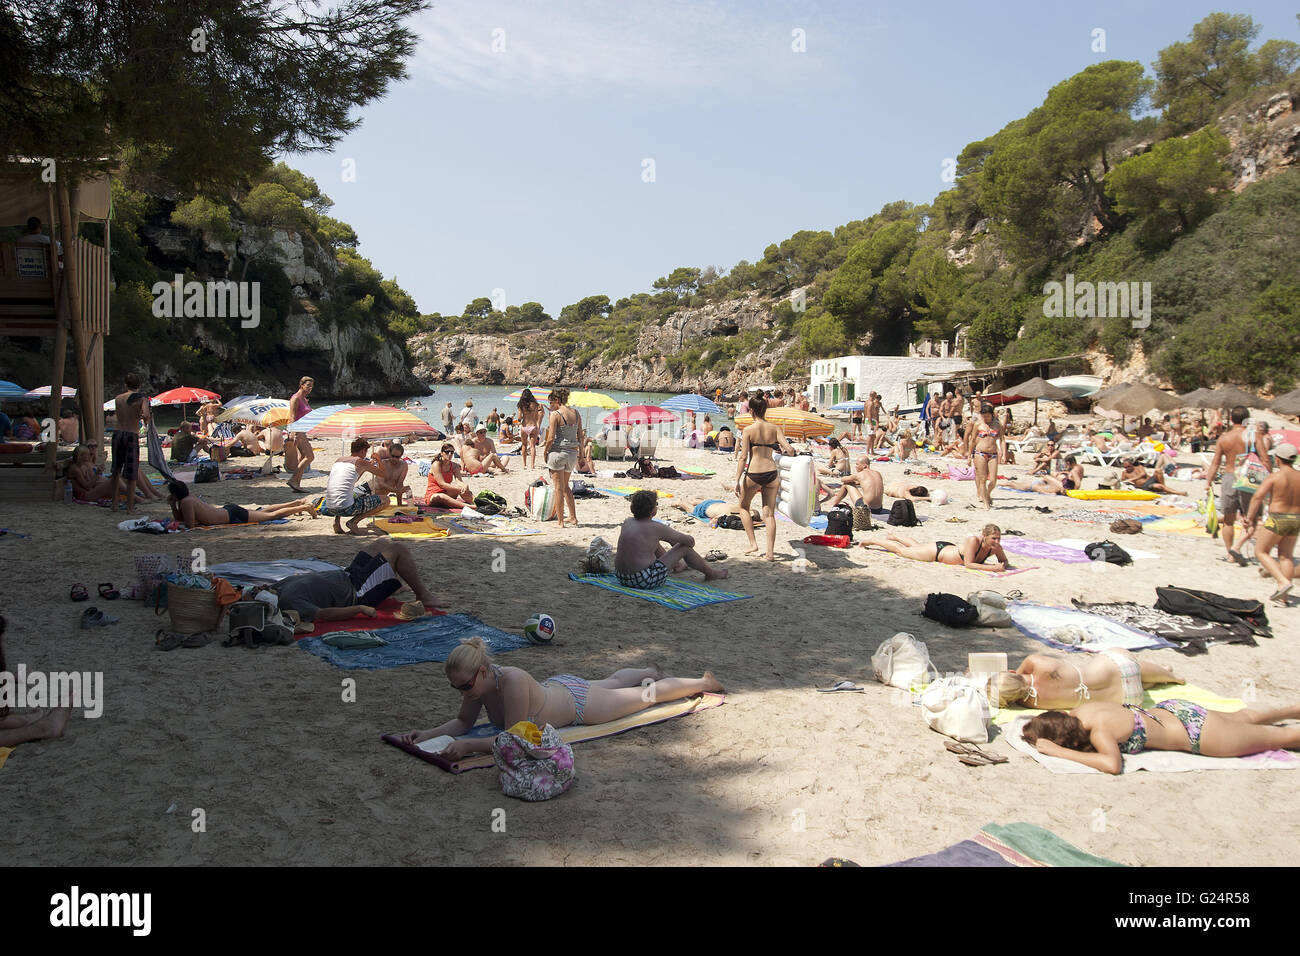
(1048, 682)
(510, 695)
(972, 552)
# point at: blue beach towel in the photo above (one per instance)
(1041, 621)
(416, 642)
(678, 595)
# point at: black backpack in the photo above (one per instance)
(207, 472)
(903, 514)
(951, 610)
(489, 503)
(731, 523)
(839, 520)
(1109, 552)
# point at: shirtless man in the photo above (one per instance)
(873, 411)
(640, 561)
(1043, 460)
(865, 484)
(1137, 476)
(393, 481)
(973, 552)
(901, 489)
(192, 511)
(480, 454)
(131, 407)
(708, 509)
(1282, 526)
(1229, 451)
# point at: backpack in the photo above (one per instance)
(951, 610)
(489, 503)
(207, 472)
(839, 521)
(903, 514)
(1109, 552)
(861, 517)
(667, 471)
(644, 468)
(731, 523)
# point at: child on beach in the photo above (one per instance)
(641, 561)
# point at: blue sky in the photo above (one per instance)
(524, 168)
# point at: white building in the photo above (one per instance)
(853, 377)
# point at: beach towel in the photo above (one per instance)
(499, 526)
(1015, 844)
(1004, 716)
(1194, 526)
(1041, 621)
(268, 572)
(570, 735)
(989, 572)
(1157, 761)
(1079, 545)
(420, 528)
(1052, 551)
(1112, 494)
(678, 595)
(155, 454)
(415, 642)
(385, 618)
(1190, 634)
(626, 491)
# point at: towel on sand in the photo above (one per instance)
(1052, 551)
(1016, 844)
(1157, 761)
(1150, 697)
(1041, 622)
(415, 642)
(678, 595)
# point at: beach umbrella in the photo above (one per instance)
(1110, 391)
(1228, 396)
(315, 417)
(8, 390)
(795, 423)
(1140, 399)
(185, 395)
(1193, 398)
(639, 415)
(541, 394)
(693, 403)
(591, 400)
(258, 411)
(371, 421)
(1037, 388)
(1288, 404)
(44, 392)
(1289, 435)
(848, 406)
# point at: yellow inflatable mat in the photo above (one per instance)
(1121, 494)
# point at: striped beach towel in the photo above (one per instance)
(678, 595)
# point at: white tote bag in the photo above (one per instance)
(956, 707)
(902, 661)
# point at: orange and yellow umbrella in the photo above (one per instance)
(794, 422)
(372, 421)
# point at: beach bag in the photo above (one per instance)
(903, 514)
(839, 521)
(990, 608)
(961, 472)
(667, 471)
(731, 523)
(1109, 552)
(954, 706)
(861, 517)
(902, 661)
(192, 608)
(1211, 515)
(949, 609)
(534, 764)
(489, 503)
(599, 558)
(1126, 526)
(206, 473)
(542, 503)
(1251, 473)
(256, 623)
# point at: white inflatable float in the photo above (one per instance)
(798, 498)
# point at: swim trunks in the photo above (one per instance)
(237, 514)
(577, 687)
(360, 505)
(373, 578)
(702, 509)
(126, 454)
(1232, 500)
(647, 579)
(1130, 675)
(1283, 525)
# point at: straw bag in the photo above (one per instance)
(534, 764)
(192, 609)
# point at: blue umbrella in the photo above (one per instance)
(10, 390)
(848, 407)
(315, 417)
(692, 403)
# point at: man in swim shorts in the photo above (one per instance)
(377, 572)
(131, 408)
(1282, 526)
(1230, 450)
(710, 509)
(641, 561)
(192, 511)
(864, 485)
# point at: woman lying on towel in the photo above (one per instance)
(1098, 734)
(18, 729)
(1048, 682)
(510, 695)
(192, 511)
(972, 552)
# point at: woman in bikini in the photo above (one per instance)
(530, 423)
(564, 436)
(298, 441)
(972, 552)
(757, 473)
(1098, 734)
(839, 463)
(990, 446)
(510, 694)
(446, 489)
(1048, 682)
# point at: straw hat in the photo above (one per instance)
(411, 610)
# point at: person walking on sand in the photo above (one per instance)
(131, 408)
(300, 444)
(1282, 525)
(989, 448)
(757, 473)
(641, 561)
(564, 437)
(530, 426)
(1235, 450)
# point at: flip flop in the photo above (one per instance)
(1239, 558)
(972, 755)
(108, 592)
(716, 555)
(166, 640)
(842, 686)
(91, 617)
(79, 593)
(1280, 595)
(196, 640)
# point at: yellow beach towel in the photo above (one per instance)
(1152, 696)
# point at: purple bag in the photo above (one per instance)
(533, 770)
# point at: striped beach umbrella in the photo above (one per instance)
(693, 403)
(9, 390)
(541, 394)
(315, 417)
(258, 411)
(795, 423)
(848, 406)
(372, 421)
(639, 415)
(44, 392)
(185, 395)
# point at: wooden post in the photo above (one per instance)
(68, 225)
(60, 343)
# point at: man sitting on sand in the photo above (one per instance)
(973, 551)
(393, 480)
(865, 484)
(1043, 460)
(341, 500)
(480, 454)
(640, 561)
(377, 572)
(710, 509)
(726, 439)
(192, 511)
(188, 441)
(1137, 476)
(901, 489)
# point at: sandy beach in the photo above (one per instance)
(286, 772)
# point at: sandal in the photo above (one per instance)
(166, 640)
(971, 755)
(842, 686)
(108, 592)
(197, 640)
(79, 593)
(716, 555)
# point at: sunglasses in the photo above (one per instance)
(467, 686)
